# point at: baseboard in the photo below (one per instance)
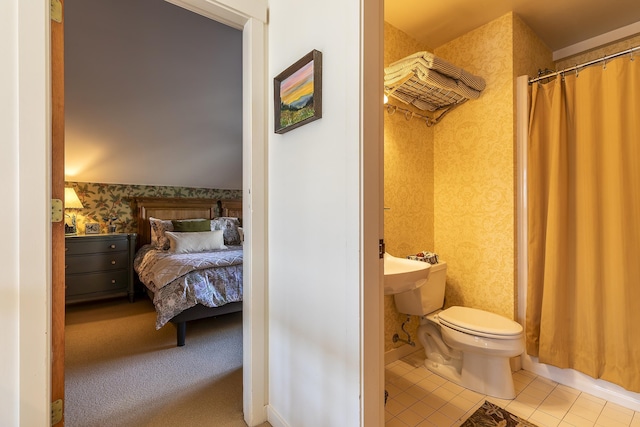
(274, 418)
(584, 383)
(399, 352)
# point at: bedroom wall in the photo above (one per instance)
(314, 224)
(102, 200)
(159, 91)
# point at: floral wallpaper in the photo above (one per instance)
(451, 188)
(590, 55)
(474, 162)
(106, 201)
(408, 183)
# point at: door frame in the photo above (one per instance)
(249, 17)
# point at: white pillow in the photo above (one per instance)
(200, 241)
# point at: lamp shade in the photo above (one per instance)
(71, 200)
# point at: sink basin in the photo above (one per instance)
(401, 274)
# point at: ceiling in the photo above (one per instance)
(559, 23)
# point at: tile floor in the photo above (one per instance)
(418, 398)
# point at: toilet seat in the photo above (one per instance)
(479, 322)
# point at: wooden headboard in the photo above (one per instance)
(179, 208)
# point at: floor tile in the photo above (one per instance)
(395, 422)
(410, 418)
(423, 409)
(440, 420)
(542, 419)
(520, 409)
(577, 420)
(419, 398)
(452, 411)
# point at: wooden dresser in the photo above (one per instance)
(99, 266)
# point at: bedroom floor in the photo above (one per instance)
(121, 371)
(419, 398)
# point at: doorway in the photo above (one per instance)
(252, 24)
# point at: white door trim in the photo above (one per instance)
(250, 17)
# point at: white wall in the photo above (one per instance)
(9, 290)
(314, 254)
(25, 251)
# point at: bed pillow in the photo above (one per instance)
(189, 242)
(229, 227)
(191, 225)
(158, 229)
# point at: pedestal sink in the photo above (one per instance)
(401, 274)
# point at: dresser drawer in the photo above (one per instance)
(99, 266)
(96, 263)
(81, 246)
(79, 285)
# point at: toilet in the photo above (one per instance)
(467, 346)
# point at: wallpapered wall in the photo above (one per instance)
(114, 200)
(590, 55)
(461, 172)
(475, 169)
(408, 182)
(474, 161)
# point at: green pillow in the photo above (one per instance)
(191, 225)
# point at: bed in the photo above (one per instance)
(205, 284)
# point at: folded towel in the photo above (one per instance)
(425, 256)
(431, 61)
(431, 78)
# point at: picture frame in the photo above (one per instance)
(92, 228)
(297, 93)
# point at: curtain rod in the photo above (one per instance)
(586, 64)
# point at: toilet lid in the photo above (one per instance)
(479, 322)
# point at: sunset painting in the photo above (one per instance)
(297, 92)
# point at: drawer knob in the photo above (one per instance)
(112, 246)
(65, 266)
(113, 262)
(113, 281)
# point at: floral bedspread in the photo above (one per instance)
(180, 281)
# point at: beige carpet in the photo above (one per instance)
(120, 371)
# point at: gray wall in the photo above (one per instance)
(153, 95)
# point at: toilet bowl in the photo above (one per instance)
(467, 346)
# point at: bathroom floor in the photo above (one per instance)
(419, 398)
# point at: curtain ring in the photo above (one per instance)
(576, 70)
(604, 62)
(562, 76)
(631, 56)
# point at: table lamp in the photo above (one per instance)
(71, 201)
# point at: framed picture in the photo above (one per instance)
(92, 228)
(297, 93)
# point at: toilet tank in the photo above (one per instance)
(427, 298)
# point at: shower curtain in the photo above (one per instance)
(583, 301)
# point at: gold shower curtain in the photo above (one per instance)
(583, 301)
